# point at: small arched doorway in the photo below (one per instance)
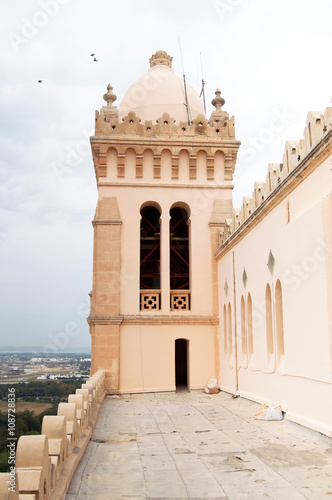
(181, 363)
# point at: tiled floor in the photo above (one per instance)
(193, 445)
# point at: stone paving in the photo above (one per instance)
(193, 445)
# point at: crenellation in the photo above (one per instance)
(107, 123)
(290, 157)
(68, 411)
(317, 125)
(247, 207)
(54, 427)
(314, 129)
(259, 193)
(45, 463)
(80, 415)
(273, 176)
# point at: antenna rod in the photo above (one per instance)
(185, 86)
(203, 84)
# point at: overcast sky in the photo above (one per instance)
(271, 60)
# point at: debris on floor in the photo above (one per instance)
(211, 387)
(269, 412)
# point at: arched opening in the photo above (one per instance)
(179, 258)
(181, 363)
(279, 321)
(269, 324)
(150, 258)
(249, 328)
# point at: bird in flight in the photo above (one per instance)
(40, 81)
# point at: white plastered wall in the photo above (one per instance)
(299, 236)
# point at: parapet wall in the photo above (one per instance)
(45, 463)
(318, 124)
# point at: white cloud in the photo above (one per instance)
(263, 55)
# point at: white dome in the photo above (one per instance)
(160, 91)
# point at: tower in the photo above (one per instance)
(164, 177)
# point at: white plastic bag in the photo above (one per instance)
(269, 412)
(211, 386)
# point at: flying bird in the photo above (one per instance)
(95, 60)
(91, 55)
(40, 81)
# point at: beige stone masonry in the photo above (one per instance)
(46, 463)
(68, 411)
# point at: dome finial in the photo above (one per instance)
(218, 101)
(160, 57)
(109, 97)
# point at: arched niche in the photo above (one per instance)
(112, 163)
(250, 327)
(184, 164)
(148, 162)
(279, 321)
(269, 321)
(219, 166)
(166, 164)
(130, 164)
(201, 165)
(243, 328)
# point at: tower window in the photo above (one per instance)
(150, 258)
(179, 259)
(179, 249)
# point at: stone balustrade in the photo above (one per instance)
(45, 463)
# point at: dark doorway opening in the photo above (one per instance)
(181, 363)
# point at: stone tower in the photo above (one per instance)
(164, 176)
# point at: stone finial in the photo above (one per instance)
(218, 117)
(218, 101)
(160, 57)
(109, 97)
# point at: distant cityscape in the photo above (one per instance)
(25, 366)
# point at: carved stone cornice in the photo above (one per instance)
(107, 222)
(156, 319)
(213, 185)
(104, 320)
